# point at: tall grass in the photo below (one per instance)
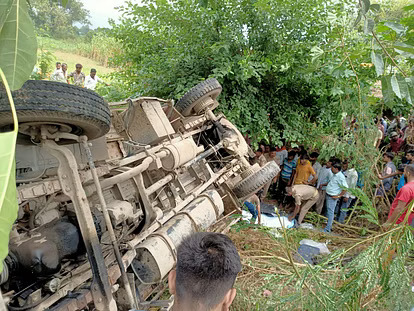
(100, 48)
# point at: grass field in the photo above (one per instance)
(73, 59)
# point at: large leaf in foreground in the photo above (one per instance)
(5, 6)
(8, 201)
(19, 45)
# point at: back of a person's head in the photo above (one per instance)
(337, 165)
(314, 155)
(207, 267)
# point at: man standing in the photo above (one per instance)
(57, 73)
(334, 191)
(401, 203)
(259, 158)
(389, 169)
(92, 80)
(207, 267)
(305, 197)
(78, 76)
(304, 171)
(395, 142)
(288, 170)
(281, 153)
(351, 177)
(325, 175)
(315, 164)
(271, 156)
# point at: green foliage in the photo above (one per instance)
(46, 61)
(57, 19)
(8, 195)
(97, 46)
(365, 205)
(17, 43)
(371, 274)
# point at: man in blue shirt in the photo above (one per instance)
(287, 171)
(334, 191)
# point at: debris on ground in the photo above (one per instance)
(310, 251)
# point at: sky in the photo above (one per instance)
(102, 10)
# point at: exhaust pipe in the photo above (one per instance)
(157, 255)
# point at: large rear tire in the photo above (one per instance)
(254, 182)
(194, 101)
(60, 104)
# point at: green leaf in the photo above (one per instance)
(365, 6)
(316, 52)
(8, 197)
(375, 7)
(403, 48)
(378, 62)
(398, 28)
(368, 26)
(18, 56)
(405, 88)
(396, 86)
(387, 92)
(5, 7)
(408, 7)
(358, 19)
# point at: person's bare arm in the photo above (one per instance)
(390, 175)
(340, 195)
(313, 180)
(323, 185)
(396, 213)
(292, 179)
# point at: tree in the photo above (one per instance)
(53, 19)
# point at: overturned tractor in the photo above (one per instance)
(106, 195)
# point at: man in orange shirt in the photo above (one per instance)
(303, 172)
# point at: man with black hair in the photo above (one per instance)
(207, 267)
(271, 156)
(334, 191)
(287, 172)
(313, 157)
(305, 174)
(92, 80)
(259, 158)
(57, 73)
(325, 175)
(348, 201)
(77, 75)
(408, 159)
(389, 169)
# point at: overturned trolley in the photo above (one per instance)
(105, 196)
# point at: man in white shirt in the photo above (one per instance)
(57, 73)
(315, 164)
(92, 80)
(324, 176)
(351, 177)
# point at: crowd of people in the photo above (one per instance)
(305, 182)
(77, 77)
